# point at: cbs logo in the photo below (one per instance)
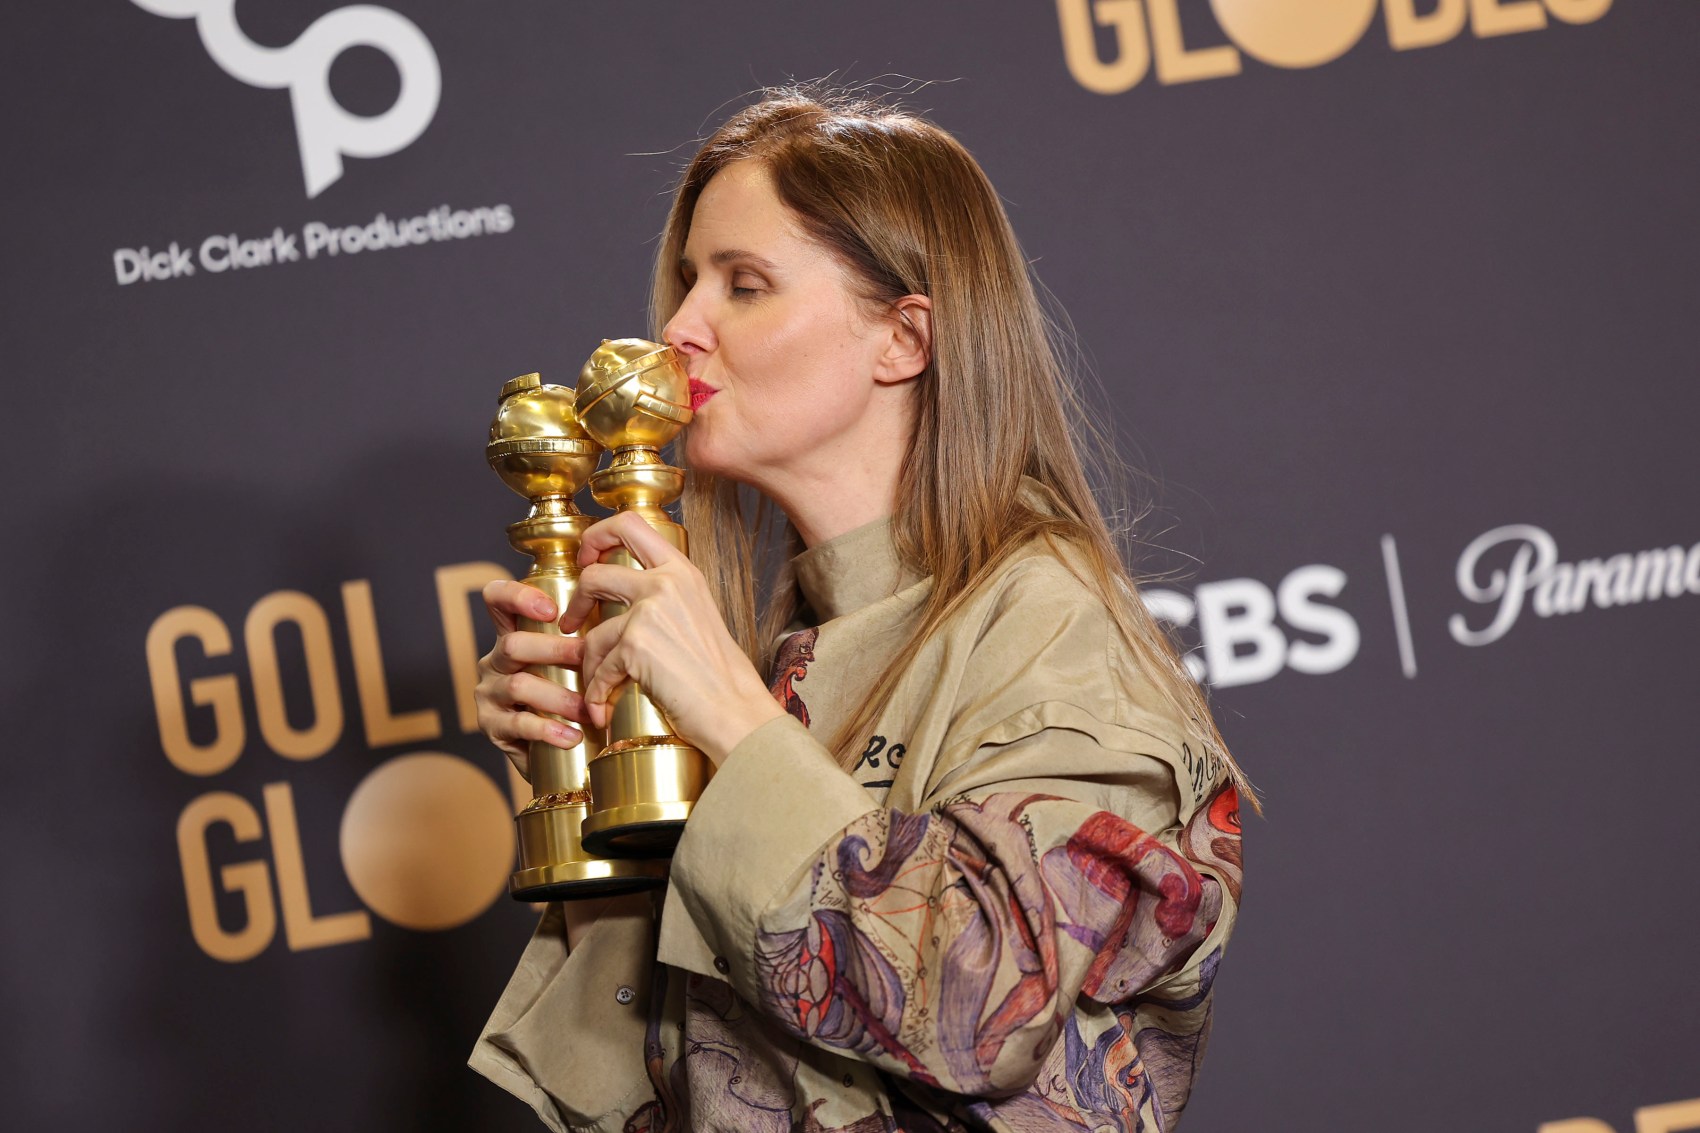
(1281, 33)
(324, 130)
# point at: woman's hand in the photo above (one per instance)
(671, 640)
(509, 698)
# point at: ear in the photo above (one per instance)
(910, 347)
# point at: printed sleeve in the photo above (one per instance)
(946, 946)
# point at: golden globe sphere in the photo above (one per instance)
(634, 392)
(537, 445)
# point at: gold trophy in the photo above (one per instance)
(540, 451)
(633, 398)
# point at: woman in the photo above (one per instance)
(972, 859)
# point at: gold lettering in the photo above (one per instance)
(301, 927)
(220, 692)
(1668, 1118)
(1286, 34)
(382, 726)
(1080, 47)
(250, 879)
(1578, 11)
(259, 632)
(454, 583)
(1407, 30)
(1176, 63)
(1575, 1125)
(1506, 17)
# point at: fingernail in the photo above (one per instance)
(543, 608)
(563, 735)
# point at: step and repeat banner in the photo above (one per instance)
(1394, 300)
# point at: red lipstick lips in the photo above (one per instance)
(700, 393)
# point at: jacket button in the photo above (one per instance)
(721, 966)
(624, 995)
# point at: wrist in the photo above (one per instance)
(736, 721)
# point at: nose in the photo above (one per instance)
(688, 331)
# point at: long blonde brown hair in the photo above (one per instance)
(909, 212)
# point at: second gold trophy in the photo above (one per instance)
(633, 399)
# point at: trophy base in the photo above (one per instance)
(572, 881)
(635, 833)
(555, 865)
(644, 792)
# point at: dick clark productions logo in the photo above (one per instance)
(323, 128)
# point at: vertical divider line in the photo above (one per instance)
(1396, 596)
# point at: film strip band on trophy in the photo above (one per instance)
(607, 812)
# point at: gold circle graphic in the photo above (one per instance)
(1294, 33)
(427, 841)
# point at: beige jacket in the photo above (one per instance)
(1008, 915)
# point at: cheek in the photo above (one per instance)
(819, 396)
(766, 425)
(799, 377)
(802, 375)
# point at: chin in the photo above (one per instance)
(703, 459)
(700, 456)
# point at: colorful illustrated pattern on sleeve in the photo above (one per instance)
(950, 948)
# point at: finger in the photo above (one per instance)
(609, 675)
(603, 582)
(627, 529)
(516, 651)
(597, 644)
(594, 671)
(526, 691)
(508, 599)
(528, 727)
(513, 730)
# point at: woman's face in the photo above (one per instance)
(785, 362)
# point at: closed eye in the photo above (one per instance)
(746, 285)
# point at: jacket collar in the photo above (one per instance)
(855, 570)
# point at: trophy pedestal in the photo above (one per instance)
(554, 865)
(633, 397)
(644, 791)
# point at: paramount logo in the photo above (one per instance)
(1536, 577)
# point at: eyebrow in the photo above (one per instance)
(725, 256)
